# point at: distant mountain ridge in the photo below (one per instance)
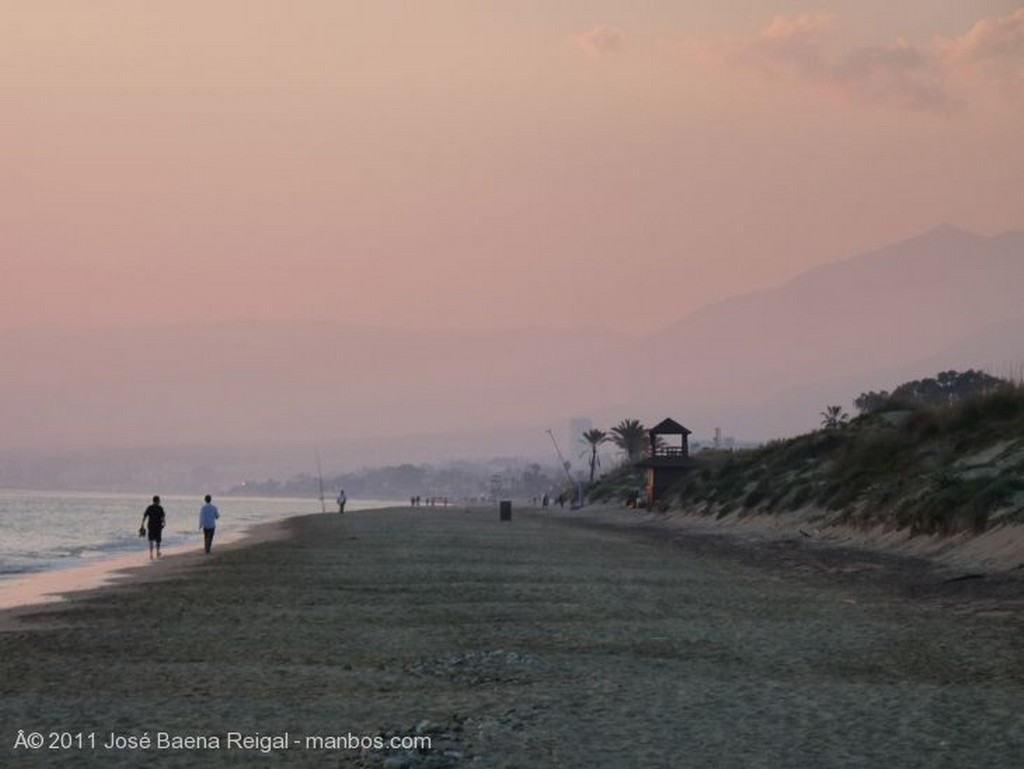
(758, 365)
(877, 311)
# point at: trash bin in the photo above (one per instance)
(506, 509)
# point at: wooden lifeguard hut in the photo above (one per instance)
(667, 459)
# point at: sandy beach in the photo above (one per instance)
(588, 639)
(23, 595)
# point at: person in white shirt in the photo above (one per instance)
(208, 516)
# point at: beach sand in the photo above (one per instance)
(597, 638)
(24, 595)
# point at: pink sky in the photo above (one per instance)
(444, 164)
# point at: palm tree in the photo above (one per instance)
(594, 438)
(630, 436)
(833, 417)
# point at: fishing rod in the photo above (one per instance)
(320, 476)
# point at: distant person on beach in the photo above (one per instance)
(153, 521)
(208, 516)
(341, 501)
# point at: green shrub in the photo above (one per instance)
(901, 474)
(800, 496)
(755, 496)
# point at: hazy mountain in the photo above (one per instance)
(840, 325)
(997, 349)
(757, 365)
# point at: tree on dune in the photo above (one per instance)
(944, 389)
(594, 438)
(630, 436)
(833, 417)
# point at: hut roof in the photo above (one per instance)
(669, 427)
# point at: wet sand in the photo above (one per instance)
(25, 595)
(593, 639)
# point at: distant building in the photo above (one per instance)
(497, 485)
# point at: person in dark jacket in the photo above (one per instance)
(153, 522)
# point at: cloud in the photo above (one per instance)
(900, 75)
(787, 44)
(993, 40)
(991, 52)
(601, 39)
(941, 76)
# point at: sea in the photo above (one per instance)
(43, 531)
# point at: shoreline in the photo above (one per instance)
(997, 551)
(23, 596)
(831, 548)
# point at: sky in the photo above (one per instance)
(450, 165)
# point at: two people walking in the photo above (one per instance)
(154, 520)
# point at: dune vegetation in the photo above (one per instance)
(939, 464)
